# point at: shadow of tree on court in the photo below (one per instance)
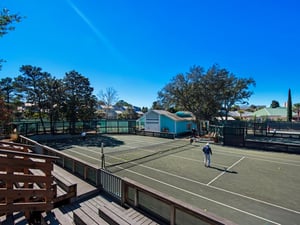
(88, 141)
(222, 169)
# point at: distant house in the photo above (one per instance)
(247, 115)
(220, 118)
(244, 115)
(279, 113)
(164, 121)
(114, 112)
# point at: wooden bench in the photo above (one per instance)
(113, 215)
(15, 218)
(86, 216)
(56, 217)
(98, 210)
(139, 218)
(88, 213)
(98, 201)
(66, 189)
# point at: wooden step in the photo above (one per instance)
(15, 218)
(139, 218)
(56, 217)
(87, 215)
(109, 214)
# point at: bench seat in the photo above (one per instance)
(113, 216)
(56, 217)
(86, 215)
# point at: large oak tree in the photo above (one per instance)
(205, 94)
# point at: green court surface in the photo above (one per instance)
(242, 185)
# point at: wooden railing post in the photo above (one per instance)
(172, 215)
(9, 183)
(136, 197)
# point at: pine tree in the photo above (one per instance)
(289, 107)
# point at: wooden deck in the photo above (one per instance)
(90, 212)
(85, 208)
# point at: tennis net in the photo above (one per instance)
(126, 158)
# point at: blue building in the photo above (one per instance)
(164, 121)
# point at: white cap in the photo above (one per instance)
(207, 143)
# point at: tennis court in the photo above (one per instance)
(244, 186)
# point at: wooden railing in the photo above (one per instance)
(15, 146)
(26, 183)
(165, 208)
(76, 166)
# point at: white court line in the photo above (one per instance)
(193, 181)
(181, 157)
(200, 196)
(212, 187)
(175, 156)
(148, 150)
(265, 159)
(245, 151)
(221, 174)
(225, 152)
(258, 157)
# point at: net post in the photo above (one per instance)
(102, 156)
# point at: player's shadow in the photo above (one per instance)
(223, 169)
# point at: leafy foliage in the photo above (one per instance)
(6, 88)
(32, 84)
(49, 98)
(275, 104)
(6, 19)
(79, 102)
(205, 94)
(5, 113)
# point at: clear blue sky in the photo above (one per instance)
(137, 46)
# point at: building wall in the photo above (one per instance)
(141, 123)
(167, 124)
(184, 126)
(156, 122)
(177, 127)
